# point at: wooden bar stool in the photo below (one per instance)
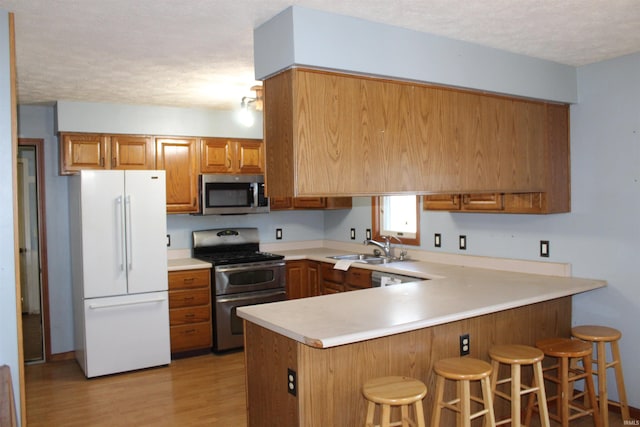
(517, 356)
(569, 353)
(463, 370)
(395, 391)
(600, 336)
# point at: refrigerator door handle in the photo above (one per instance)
(120, 231)
(121, 304)
(129, 233)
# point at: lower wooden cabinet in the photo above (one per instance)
(302, 279)
(333, 281)
(190, 310)
(307, 278)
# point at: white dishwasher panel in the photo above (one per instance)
(125, 333)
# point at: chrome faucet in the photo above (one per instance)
(386, 246)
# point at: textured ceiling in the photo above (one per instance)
(199, 53)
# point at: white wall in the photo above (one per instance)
(38, 122)
(75, 116)
(308, 37)
(8, 309)
(600, 236)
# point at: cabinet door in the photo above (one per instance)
(279, 203)
(313, 278)
(250, 156)
(179, 158)
(296, 279)
(441, 202)
(482, 202)
(309, 202)
(534, 203)
(132, 152)
(216, 155)
(83, 151)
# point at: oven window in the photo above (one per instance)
(251, 277)
(229, 194)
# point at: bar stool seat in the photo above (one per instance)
(568, 351)
(601, 336)
(517, 356)
(463, 370)
(395, 391)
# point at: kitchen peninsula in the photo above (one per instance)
(333, 343)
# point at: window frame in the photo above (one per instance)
(375, 223)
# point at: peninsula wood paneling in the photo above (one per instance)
(330, 380)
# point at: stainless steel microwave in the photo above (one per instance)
(222, 194)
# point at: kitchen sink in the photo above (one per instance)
(367, 258)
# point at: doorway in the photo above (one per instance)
(33, 253)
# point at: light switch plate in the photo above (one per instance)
(278, 233)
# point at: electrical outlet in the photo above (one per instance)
(368, 234)
(463, 242)
(437, 240)
(292, 386)
(278, 233)
(544, 248)
(465, 345)
(353, 234)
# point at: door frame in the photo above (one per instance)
(42, 240)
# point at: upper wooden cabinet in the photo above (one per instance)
(99, 151)
(222, 155)
(83, 151)
(325, 203)
(330, 134)
(132, 152)
(555, 196)
(179, 158)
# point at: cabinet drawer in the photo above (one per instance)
(182, 316)
(359, 278)
(331, 287)
(191, 337)
(330, 273)
(196, 297)
(187, 279)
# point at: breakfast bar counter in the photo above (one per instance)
(334, 343)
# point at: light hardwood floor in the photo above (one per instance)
(206, 390)
(198, 391)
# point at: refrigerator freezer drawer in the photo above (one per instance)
(126, 333)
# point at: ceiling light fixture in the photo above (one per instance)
(256, 101)
(246, 116)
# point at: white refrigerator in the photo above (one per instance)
(118, 229)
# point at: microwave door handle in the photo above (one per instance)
(254, 186)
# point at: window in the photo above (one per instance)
(397, 216)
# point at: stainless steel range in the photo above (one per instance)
(241, 275)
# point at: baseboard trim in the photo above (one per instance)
(59, 357)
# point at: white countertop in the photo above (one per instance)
(452, 294)
(177, 264)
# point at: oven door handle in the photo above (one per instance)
(249, 296)
(254, 266)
